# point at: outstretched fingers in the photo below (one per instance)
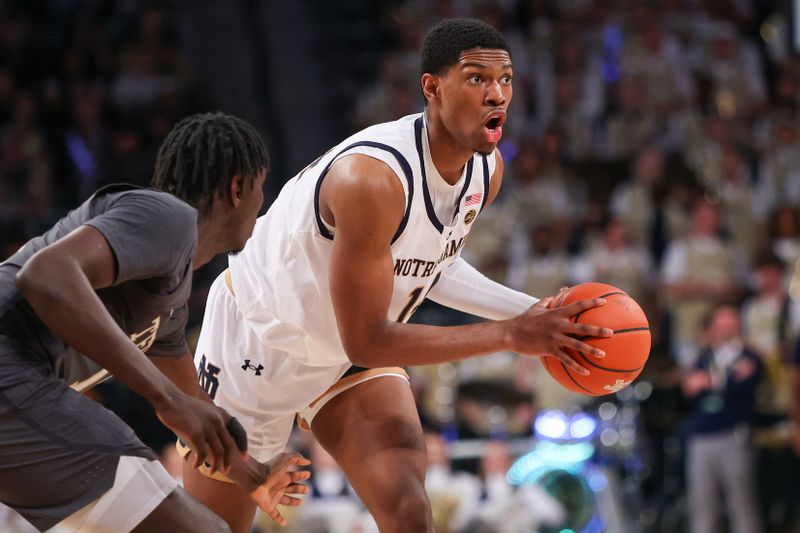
(276, 516)
(302, 475)
(582, 305)
(299, 460)
(584, 331)
(565, 358)
(292, 491)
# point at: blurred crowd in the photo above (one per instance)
(654, 146)
(88, 90)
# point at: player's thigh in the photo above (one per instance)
(59, 450)
(227, 500)
(178, 513)
(374, 433)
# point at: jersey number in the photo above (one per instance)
(415, 300)
(208, 376)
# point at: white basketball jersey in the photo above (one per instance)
(281, 277)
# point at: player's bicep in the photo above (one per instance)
(361, 287)
(87, 248)
(367, 202)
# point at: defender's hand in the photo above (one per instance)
(281, 483)
(544, 331)
(202, 425)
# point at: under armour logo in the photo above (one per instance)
(247, 366)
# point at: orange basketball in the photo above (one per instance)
(626, 351)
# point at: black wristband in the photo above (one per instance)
(238, 433)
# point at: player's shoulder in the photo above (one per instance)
(153, 202)
(363, 174)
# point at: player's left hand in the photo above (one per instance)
(282, 484)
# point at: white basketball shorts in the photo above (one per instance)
(263, 387)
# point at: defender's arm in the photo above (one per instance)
(59, 282)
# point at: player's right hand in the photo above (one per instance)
(283, 481)
(202, 426)
(544, 331)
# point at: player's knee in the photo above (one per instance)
(411, 509)
(415, 504)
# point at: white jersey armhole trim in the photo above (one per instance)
(380, 155)
(492, 160)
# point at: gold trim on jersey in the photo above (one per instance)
(229, 281)
(346, 383)
(313, 408)
(204, 469)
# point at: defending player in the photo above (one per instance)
(310, 317)
(105, 286)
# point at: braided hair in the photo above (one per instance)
(202, 153)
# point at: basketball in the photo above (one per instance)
(626, 351)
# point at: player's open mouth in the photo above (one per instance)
(493, 129)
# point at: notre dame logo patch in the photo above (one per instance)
(470, 216)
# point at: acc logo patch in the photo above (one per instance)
(470, 216)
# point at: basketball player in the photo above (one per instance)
(311, 317)
(101, 292)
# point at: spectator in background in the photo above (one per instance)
(577, 92)
(783, 109)
(505, 508)
(129, 154)
(631, 126)
(779, 172)
(654, 55)
(705, 151)
(784, 236)
(392, 95)
(698, 274)
(769, 320)
(537, 197)
(731, 188)
(453, 495)
(545, 269)
(87, 140)
(546, 191)
(676, 205)
(722, 388)
(732, 67)
(24, 167)
(634, 200)
(495, 463)
(616, 261)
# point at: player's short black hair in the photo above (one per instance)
(444, 42)
(202, 154)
